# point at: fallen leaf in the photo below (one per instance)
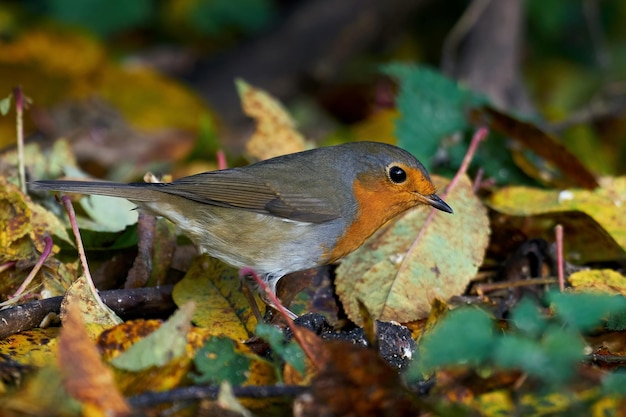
(604, 281)
(402, 268)
(85, 377)
(275, 132)
(356, 382)
(96, 314)
(116, 340)
(570, 171)
(165, 344)
(216, 289)
(36, 347)
(604, 204)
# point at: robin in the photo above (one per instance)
(288, 213)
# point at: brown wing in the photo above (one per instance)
(235, 188)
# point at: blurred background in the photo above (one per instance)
(149, 84)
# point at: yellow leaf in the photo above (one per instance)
(275, 133)
(605, 281)
(605, 205)
(216, 289)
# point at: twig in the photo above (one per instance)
(150, 399)
(558, 231)
(605, 359)
(44, 255)
(19, 112)
(483, 288)
(148, 302)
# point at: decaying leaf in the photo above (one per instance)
(403, 267)
(569, 170)
(167, 343)
(85, 377)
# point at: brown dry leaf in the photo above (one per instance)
(403, 267)
(356, 382)
(216, 289)
(275, 133)
(317, 356)
(85, 377)
(570, 171)
(510, 231)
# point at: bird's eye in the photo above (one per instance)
(397, 174)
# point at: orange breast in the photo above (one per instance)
(376, 204)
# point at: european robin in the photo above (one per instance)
(288, 213)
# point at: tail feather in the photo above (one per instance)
(134, 192)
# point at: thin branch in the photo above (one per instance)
(481, 289)
(148, 302)
(150, 399)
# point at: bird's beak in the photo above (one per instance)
(436, 202)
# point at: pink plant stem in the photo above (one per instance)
(221, 160)
(478, 179)
(81, 250)
(479, 135)
(44, 255)
(558, 231)
(19, 111)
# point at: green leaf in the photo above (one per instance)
(103, 17)
(218, 361)
(527, 318)
(584, 311)
(432, 106)
(518, 352)
(565, 349)
(5, 105)
(290, 352)
(552, 359)
(614, 383)
(210, 17)
(166, 343)
(617, 321)
(465, 336)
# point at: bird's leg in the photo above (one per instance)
(267, 294)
